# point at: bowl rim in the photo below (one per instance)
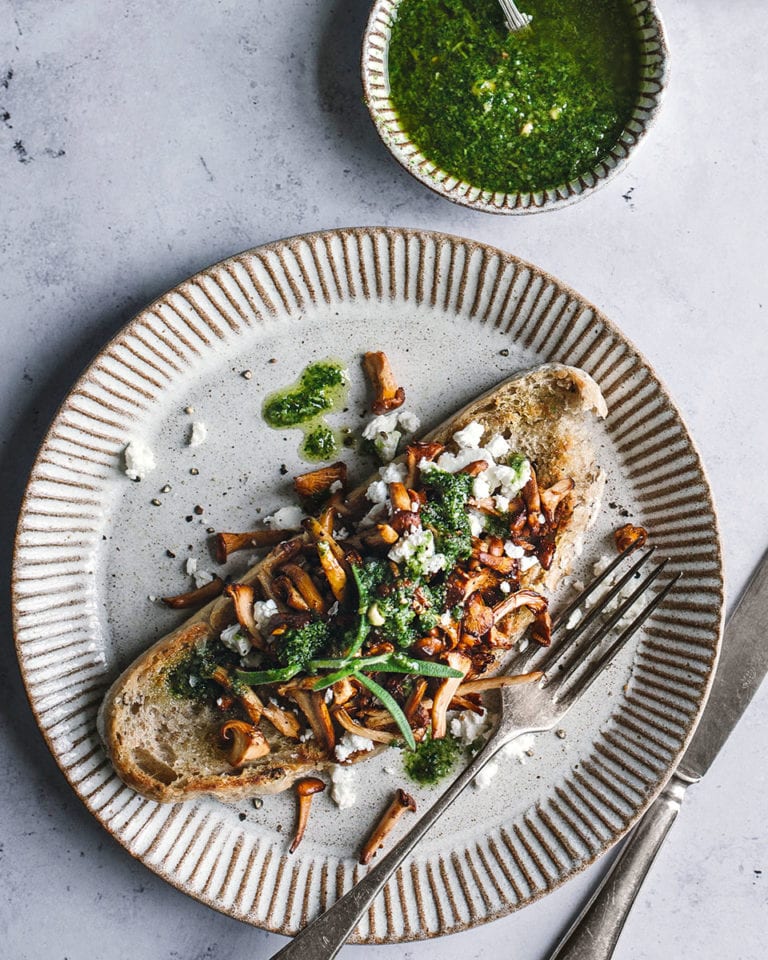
(375, 82)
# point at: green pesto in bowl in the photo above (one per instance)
(522, 111)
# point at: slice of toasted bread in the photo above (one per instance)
(166, 748)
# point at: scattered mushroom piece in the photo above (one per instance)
(478, 616)
(285, 550)
(334, 571)
(312, 705)
(351, 726)
(321, 531)
(247, 742)
(306, 587)
(381, 536)
(446, 692)
(285, 589)
(474, 468)
(249, 700)
(388, 395)
(506, 566)
(317, 482)
(413, 702)
(305, 790)
(551, 497)
(629, 536)
(228, 543)
(494, 683)
(401, 802)
(196, 598)
(398, 494)
(415, 453)
(243, 596)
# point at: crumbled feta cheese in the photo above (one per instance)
(252, 660)
(343, 787)
(386, 444)
(352, 743)
(233, 638)
(377, 492)
(341, 534)
(286, 518)
(476, 522)
(501, 503)
(202, 577)
(601, 566)
(512, 550)
(497, 446)
(470, 436)
(453, 462)
(386, 423)
(468, 726)
(393, 472)
(328, 697)
(418, 546)
(527, 562)
(335, 486)
(139, 459)
(191, 566)
(198, 434)
(307, 735)
(263, 611)
(481, 487)
(573, 620)
(515, 750)
(505, 586)
(408, 421)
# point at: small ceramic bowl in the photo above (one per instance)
(654, 73)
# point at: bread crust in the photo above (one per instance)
(165, 748)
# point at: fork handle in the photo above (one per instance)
(596, 931)
(324, 937)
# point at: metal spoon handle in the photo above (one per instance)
(324, 937)
(596, 931)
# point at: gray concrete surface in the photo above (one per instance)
(140, 142)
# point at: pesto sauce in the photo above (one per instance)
(189, 677)
(514, 111)
(321, 389)
(432, 759)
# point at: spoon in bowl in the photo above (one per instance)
(515, 19)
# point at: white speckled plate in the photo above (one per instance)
(456, 317)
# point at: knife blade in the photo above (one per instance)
(742, 667)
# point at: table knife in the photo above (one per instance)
(743, 664)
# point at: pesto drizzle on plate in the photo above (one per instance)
(321, 389)
(514, 111)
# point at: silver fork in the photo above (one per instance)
(570, 667)
(515, 19)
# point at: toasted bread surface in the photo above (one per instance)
(167, 748)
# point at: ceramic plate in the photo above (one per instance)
(93, 548)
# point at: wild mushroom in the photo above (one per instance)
(305, 789)
(629, 536)
(317, 482)
(306, 587)
(351, 726)
(196, 598)
(247, 742)
(478, 616)
(313, 706)
(243, 596)
(284, 588)
(494, 683)
(401, 802)
(445, 693)
(333, 570)
(552, 496)
(282, 720)
(388, 395)
(415, 453)
(539, 607)
(228, 543)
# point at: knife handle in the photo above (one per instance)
(596, 931)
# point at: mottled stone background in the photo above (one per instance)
(140, 142)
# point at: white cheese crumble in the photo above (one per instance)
(139, 459)
(419, 547)
(377, 492)
(470, 436)
(233, 638)
(516, 750)
(335, 486)
(512, 550)
(470, 727)
(263, 611)
(191, 566)
(352, 743)
(198, 434)
(477, 522)
(384, 432)
(343, 785)
(497, 446)
(527, 562)
(202, 577)
(505, 586)
(393, 472)
(286, 518)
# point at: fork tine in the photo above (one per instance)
(557, 651)
(576, 657)
(596, 668)
(585, 594)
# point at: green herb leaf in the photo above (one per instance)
(392, 705)
(257, 677)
